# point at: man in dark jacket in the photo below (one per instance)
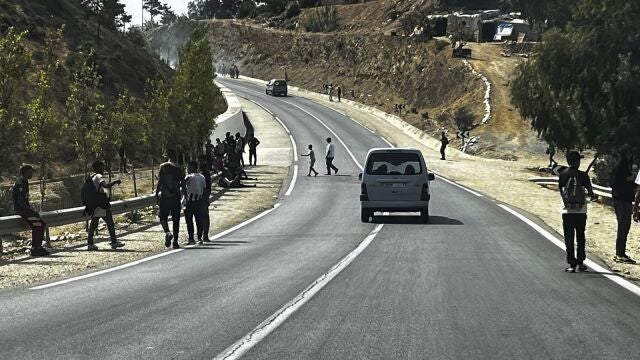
(622, 186)
(574, 214)
(20, 195)
(444, 141)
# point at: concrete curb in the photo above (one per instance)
(234, 108)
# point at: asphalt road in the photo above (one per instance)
(476, 283)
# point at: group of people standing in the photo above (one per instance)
(232, 71)
(330, 90)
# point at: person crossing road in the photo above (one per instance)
(329, 156)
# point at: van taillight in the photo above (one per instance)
(425, 193)
(363, 192)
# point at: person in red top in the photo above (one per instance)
(20, 196)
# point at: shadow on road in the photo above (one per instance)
(408, 220)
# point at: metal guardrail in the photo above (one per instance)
(597, 189)
(14, 223)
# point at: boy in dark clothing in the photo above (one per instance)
(100, 185)
(240, 148)
(20, 196)
(312, 160)
(339, 93)
(253, 145)
(572, 184)
(444, 141)
(168, 190)
(622, 184)
(203, 228)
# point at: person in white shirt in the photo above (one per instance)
(195, 184)
(330, 154)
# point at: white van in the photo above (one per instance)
(395, 180)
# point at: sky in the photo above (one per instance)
(134, 8)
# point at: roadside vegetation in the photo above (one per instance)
(53, 106)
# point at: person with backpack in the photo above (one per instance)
(572, 185)
(195, 185)
(444, 141)
(96, 200)
(169, 189)
(622, 185)
(20, 197)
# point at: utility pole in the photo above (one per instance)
(142, 16)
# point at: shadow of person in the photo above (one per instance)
(415, 220)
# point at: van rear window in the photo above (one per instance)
(279, 83)
(394, 164)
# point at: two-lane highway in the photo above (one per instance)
(475, 283)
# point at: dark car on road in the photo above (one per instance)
(277, 87)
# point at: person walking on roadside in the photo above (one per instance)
(622, 186)
(329, 156)
(330, 92)
(240, 148)
(195, 184)
(339, 93)
(168, 191)
(203, 228)
(551, 151)
(102, 208)
(444, 141)
(572, 185)
(312, 160)
(20, 197)
(253, 146)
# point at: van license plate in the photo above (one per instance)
(396, 185)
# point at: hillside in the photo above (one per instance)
(122, 64)
(380, 69)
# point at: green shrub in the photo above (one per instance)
(293, 10)
(440, 44)
(322, 19)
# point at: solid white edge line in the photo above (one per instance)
(105, 271)
(295, 148)
(559, 243)
(331, 131)
(293, 181)
(282, 124)
(153, 257)
(460, 186)
(387, 141)
(254, 337)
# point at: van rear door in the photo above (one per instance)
(395, 176)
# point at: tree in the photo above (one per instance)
(194, 98)
(464, 119)
(84, 105)
(168, 16)
(113, 13)
(155, 117)
(276, 6)
(43, 123)
(154, 7)
(581, 88)
(247, 9)
(96, 7)
(15, 64)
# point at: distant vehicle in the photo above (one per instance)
(276, 87)
(395, 180)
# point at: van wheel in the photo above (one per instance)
(365, 215)
(424, 215)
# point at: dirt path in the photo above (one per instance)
(146, 237)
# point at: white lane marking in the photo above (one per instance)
(295, 148)
(559, 243)
(460, 186)
(331, 131)
(282, 124)
(137, 262)
(293, 181)
(387, 141)
(105, 271)
(254, 337)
